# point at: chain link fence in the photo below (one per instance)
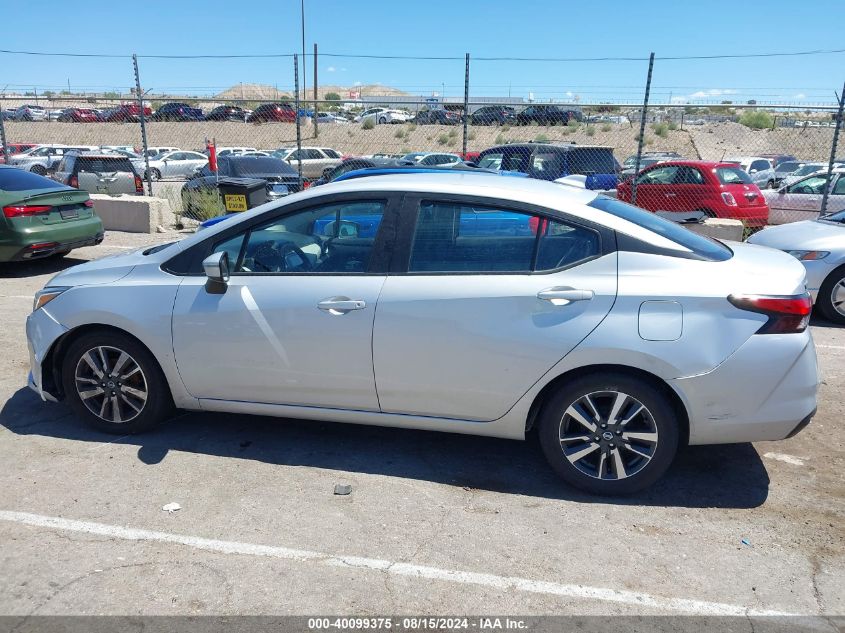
(761, 163)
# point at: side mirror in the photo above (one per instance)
(216, 267)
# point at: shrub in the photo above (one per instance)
(661, 129)
(756, 120)
(368, 124)
(500, 140)
(471, 136)
(573, 124)
(453, 133)
(400, 133)
(590, 130)
(205, 204)
(443, 139)
(605, 127)
(541, 138)
(673, 126)
(332, 96)
(412, 127)
(505, 128)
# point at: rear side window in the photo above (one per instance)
(20, 180)
(703, 247)
(732, 176)
(587, 161)
(460, 238)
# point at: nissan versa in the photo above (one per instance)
(449, 302)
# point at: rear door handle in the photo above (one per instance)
(671, 195)
(561, 296)
(341, 305)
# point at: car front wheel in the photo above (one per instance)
(113, 383)
(831, 299)
(609, 434)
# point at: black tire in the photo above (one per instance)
(825, 297)
(646, 466)
(155, 174)
(139, 416)
(382, 120)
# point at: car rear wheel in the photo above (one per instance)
(609, 434)
(114, 383)
(155, 174)
(831, 299)
(382, 120)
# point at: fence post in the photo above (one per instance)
(296, 107)
(466, 106)
(140, 95)
(316, 131)
(833, 150)
(642, 130)
(3, 136)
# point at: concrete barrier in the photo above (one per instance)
(721, 229)
(134, 214)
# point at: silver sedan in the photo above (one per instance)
(820, 246)
(457, 302)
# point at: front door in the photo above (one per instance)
(485, 307)
(294, 325)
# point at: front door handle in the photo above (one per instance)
(671, 195)
(561, 295)
(341, 305)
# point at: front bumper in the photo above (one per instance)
(765, 391)
(42, 331)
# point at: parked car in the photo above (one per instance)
(42, 218)
(110, 174)
(227, 151)
(15, 148)
(802, 200)
(315, 160)
(438, 116)
(750, 164)
(433, 158)
(226, 113)
(329, 118)
(179, 164)
(549, 161)
(280, 179)
(352, 164)
(772, 178)
(719, 189)
(646, 160)
(177, 112)
(547, 115)
(273, 113)
(820, 246)
(152, 152)
(30, 112)
(44, 158)
(806, 169)
(126, 113)
(383, 115)
(777, 159)
(78, 115)
(608, 369)
(7, 114)
(493, 115)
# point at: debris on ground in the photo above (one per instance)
(171, 507)
(342, 489)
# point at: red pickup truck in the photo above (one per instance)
(127, 112)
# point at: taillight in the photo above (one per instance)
(306, 184)
(89, 203)
(728, 199)
(787, 314)
(73, 181)
(139, 184)
(19, 211)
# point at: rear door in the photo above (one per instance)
(655, 189)
(801, 200)
(482, 301)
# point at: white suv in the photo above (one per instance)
(45, 158)
(383, 115)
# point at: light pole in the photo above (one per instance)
(302, 13)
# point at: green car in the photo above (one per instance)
(43, 218)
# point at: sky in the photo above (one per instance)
(492, 28)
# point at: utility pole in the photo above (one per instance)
(830, 162)
(304, 78)
(316, 131)
(642, 130)
(140, 96)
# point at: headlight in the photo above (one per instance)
(46, 295)
(806, 256)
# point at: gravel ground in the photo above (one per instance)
(435, 523)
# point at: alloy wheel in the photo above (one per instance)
(608, 435)
(111, 384)
(837, 296)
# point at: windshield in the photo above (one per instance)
(788, 167)
(703, 247)
(732, 176)
(808, 169)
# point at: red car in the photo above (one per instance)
(78, 115)
(276, 112)
(721, 190)
(15, 148)
(128, 112)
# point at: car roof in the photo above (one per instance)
(563, 146)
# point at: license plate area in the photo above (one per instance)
(69, 214)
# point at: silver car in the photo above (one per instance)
(178, 164)
(820, 246)
(453, 302)
(802, 199)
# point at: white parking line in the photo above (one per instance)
(830, 346)
(504, 583)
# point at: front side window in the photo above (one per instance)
(658, 176)
(811, 185)
(688, 176)
(839, 187)
(463, 238)
(334, 238)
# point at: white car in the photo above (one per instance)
(802, 199)
(157, 151)
(315, 160)
(180, 164)
(751, 164)
(383, 115)
(234, 151)
(434, 302)
(329, 118)
(433, 159)
(44, 158)
(31, 113)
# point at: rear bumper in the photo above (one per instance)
(43, 243)
(765, 391)
(750, 216)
